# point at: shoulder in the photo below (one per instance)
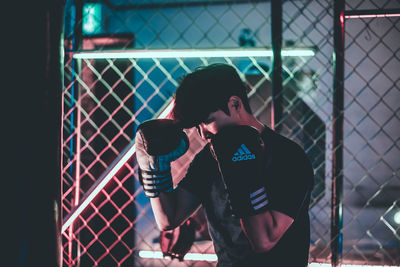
(202, 162)
(282, 143)
(288, 152)
(196, 178)
(204, 155)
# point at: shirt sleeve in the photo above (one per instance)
(292, 184)
(195, 179)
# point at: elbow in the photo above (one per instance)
(262, 247)
(263, 243)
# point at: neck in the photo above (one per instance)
(250, 120)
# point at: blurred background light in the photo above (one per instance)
(92, 18)
(396, 217)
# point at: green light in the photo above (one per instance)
(92, 18)
(192, 53)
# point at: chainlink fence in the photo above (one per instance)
(371, 198)
(107, 219)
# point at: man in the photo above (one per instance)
(254, 184)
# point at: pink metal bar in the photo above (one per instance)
(371, 16)
(103, 180)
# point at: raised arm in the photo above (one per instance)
(244, 176)
(158, 143)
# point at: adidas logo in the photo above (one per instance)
(243, 153)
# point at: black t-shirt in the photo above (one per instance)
(289, 180)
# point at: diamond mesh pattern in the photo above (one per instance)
(371, 144)
(106, 99)
(308, 105)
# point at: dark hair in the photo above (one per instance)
(206, 90)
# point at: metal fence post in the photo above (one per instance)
(337, 134)
(276, 36)
(75, 115)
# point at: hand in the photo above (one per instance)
(158, 143)
(177, 242)
(240, 155)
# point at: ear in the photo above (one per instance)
(235, 104)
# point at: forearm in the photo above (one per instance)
(158, 143)
(164, 209)
(264, 230)
(259, 233)
(173, 208)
